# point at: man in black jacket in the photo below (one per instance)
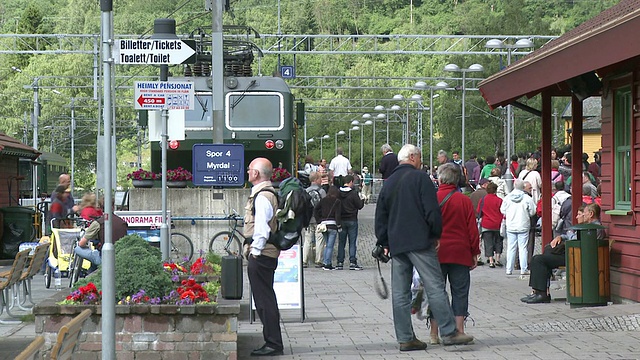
(389, 161)
(351, 203)
(408, 225)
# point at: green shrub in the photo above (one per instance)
(138, 266)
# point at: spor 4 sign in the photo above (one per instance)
(218, 165)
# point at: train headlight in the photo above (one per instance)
(279, 144)
(269, 144)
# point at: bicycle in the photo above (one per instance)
(181, 247)
(228, 242)
(76, 262)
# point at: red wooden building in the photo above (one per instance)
(11, 150)
(601, 57)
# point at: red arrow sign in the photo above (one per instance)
(150, 100)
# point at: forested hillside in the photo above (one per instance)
(71, 74)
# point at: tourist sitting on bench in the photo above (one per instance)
(554, 256)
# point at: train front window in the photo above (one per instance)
(251, 111)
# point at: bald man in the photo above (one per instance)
(259, 223)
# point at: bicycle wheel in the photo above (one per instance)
(225, 243)
(47, 276)
(74, 271)
(181, 248)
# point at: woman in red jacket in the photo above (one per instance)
(459, 245)
(490, 220)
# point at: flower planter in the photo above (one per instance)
(176, 184)
(149, 331)
(143, 184)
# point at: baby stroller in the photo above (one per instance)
(62, 257)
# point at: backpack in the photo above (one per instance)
(293, 214)
(314, 197)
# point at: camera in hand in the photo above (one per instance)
(378, 254)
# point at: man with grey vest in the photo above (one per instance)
(259, 223)
(311, 237)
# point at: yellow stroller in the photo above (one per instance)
(62, 258)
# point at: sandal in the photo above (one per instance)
(492, 265)
(498, 264)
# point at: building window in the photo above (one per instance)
(622, 148)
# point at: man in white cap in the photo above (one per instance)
(367, 181)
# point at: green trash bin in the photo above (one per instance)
(17, 228)
(587, 268)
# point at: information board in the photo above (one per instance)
(218, 165)
(287, 282)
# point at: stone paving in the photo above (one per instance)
(346, 320)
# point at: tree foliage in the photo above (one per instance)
(72, 75)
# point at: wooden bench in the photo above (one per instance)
(68, 335)
(39, 257)
(9, 283)
(32, 352)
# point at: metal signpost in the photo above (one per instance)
(218, 165)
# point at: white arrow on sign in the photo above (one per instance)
(151, 51)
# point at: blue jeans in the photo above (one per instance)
(350, 229)
(329, 239)
(427, 264)
(459, 281)
(87, 253)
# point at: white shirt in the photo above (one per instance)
(261, 229)
(340, 165)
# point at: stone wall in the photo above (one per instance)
(158, 332)
(193, 202)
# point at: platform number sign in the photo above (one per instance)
(288, 71)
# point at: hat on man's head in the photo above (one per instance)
(483, 181)
(365, 169)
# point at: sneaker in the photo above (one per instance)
(353, 266)
(328, 267)
(319, 265)
(509, 273)
(457, 338)
(525, 272)
(435, 340)
(339, 266)
(412, 345)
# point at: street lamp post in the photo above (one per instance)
(362, 125)
(456, 68)
(73, 128)
(306, 147)
(322, 138)
(439, 86)
(406, 138)
(381, 108)
(353, 128)
(341, 132)
(509, 124)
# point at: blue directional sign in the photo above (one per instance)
(288, 71)
(218, 165)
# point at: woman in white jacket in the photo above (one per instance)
(533, 177)
(517, 208)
